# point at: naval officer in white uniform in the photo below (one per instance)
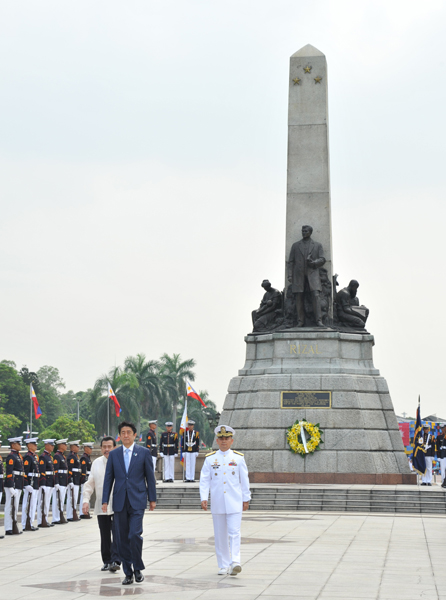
(225, 475)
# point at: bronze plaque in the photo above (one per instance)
(306, 400)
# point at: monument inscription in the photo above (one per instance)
(295, 399)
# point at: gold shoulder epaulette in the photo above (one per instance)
(240, 453)
(211, 453)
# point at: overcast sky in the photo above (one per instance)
(143, 179)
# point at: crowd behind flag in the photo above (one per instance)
(419, 452)
(37, 409)
(191, 393)
(111, 394)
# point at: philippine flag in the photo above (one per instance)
(191, 393)
(183, 427)
(37, 409)
(111, 394)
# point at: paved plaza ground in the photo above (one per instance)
(291, 555)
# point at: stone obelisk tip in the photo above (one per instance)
(307, 50)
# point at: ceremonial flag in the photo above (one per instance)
(183, 427)
(111, 394)
(191, 393)
(118, 438)
(419, 453)
(37, 409)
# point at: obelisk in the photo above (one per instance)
(308, 179)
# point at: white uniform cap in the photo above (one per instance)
(64, 441)
(16, 439)
(154, 421)
(49, 441)
(168, 423)
(224, 431)
(31, 440)
(190, 422)
(74, 443)
(88, 444)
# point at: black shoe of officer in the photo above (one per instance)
(114, 566)
(128, 579)
(139, 577)
(106, 567)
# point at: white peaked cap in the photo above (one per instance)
(168, 423)
(64, 441)
(88, 444)
(74, 443)
(31, 441)
(16, 439)
(49, 441)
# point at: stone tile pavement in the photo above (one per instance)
(306, 556)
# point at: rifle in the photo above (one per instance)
(75, 517)
(15, 529)
(43, 522)
(62, 519)
(28, 526)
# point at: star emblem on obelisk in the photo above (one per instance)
(296, 81)
(307, 69)
(318, 79)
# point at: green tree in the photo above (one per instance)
(9, 426)
(147, 395)
(67, 426)
(14, 394)
(174, 373)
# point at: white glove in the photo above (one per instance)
(196, 453)
(14, 492)
(176, 455)
(57, 487)
(71, 485)
(29, 488)
(162, 455)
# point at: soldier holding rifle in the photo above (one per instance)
(13, 485)
(46, 484)
(74, 480)
(31, 470)
(60, 482)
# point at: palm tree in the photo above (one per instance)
(148, 394)
(174, 373)
(122, 384)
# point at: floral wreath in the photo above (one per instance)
(304, 437)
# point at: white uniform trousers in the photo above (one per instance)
(442, 468)
(55, 505)
(46, 509)
(32, 506)
(8, 508)
(169, 467)
(427, 477)
(227, 538)
(154, 464)
(190, 458)
(69, 501)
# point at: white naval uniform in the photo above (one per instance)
(32, 506)
(225, 476)
(48, 491)
(190, 458)
(427, 477)
(55, 504)
(69, 499)
(9, 493)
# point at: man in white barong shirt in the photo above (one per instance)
(95, 483)
(225, 475)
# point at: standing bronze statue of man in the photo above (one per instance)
(306, 258)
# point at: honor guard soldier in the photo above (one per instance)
(225, 476)
(1, 479)
(440, 447)
(13, 485)
(191, 447)
(168, 451)
(85, 474)
(429, 447)
(60, 482)
(151, 442)
(46, 484)
(74, 480)
(31, 482)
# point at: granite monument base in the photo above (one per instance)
(339, 388)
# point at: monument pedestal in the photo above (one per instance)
(362, 442)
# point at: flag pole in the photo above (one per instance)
(108, 416)
(419, 411)
(30, 410)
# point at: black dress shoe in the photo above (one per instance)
(9, 532)
(424, 484)
(105, 567)
(56, 523)
(128, 579)
(1, 537)
(139, 577)
(114, 566)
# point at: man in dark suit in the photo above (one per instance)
(130, 468)
(306, 258)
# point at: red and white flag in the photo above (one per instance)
(111, 394)
(191, 393)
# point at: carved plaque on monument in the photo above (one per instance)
(305, 400)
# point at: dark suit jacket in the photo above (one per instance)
(138, 483)
(298, 268)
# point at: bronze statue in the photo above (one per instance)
(306, 257)
(269, 314)
(348, 310)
